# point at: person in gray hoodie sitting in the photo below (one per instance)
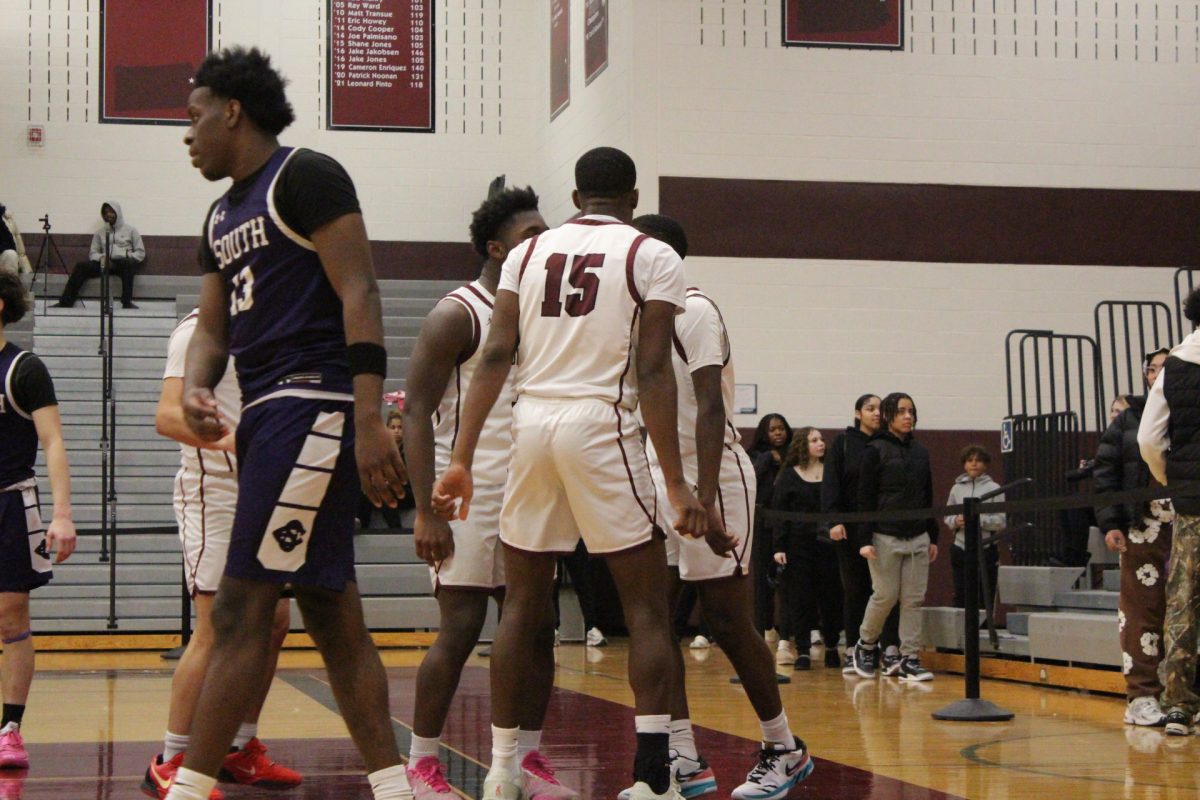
(124, 249)
(973, 482)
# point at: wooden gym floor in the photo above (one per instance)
(95, 719)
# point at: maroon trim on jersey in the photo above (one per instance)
(470, 287)
(629, 471)
(476, 327)
(628, 361)
(727, 347)
(458, 398)
(585, 221)
(525, 260)
(749, 507)
(203, 519)
(629, 259)
(678, 345)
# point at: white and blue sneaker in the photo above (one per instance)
(777, 772)
(694, 776)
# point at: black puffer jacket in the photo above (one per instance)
(895, 476)
(1119, 467)
(839, 488)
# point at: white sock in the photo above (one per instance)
(683, 740)
(423, 747)
(191, 785)
(527, 742)
(504, 750)
(246, 732)
(174, 744)
(390, 783)
(652, 723)
(777, 731)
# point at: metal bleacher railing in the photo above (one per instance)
(131, 581)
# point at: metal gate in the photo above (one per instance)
(1125, 331)
(1056, 408)
(1184, 284)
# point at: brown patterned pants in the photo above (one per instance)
(1143, 605)
(1178, 669)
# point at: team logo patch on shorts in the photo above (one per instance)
(290, 535)
(41, 549)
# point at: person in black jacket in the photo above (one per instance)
(771, 440)
(839, 493)
(895, 476)
(809, 587)
(1142, 536)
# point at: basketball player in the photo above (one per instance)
(592, 304)
(205, 499)
(714, 461)
(465, 558)
(290, 292)
(28, 417)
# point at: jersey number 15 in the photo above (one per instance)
(581, 298)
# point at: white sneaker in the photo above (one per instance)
(785, 655)
(692, 776)
(501, 785)
(642, 791)
(1145, 711)
(700, 643)
(776, 773)
(814, 638)
(848, 662)
(772, 637)
(595, 638)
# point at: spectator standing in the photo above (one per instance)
(973, 482)
(392, 516)
(1142, 535)
(839, 493)
(1169, 442)
(771, 439)
(811, 591)
(896, 476)
(116, 245)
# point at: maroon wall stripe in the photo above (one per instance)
(176, 255)
(934, 223)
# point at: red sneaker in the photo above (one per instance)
(161, 774)
(251, 767)
(12, 749)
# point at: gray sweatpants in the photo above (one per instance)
(900, 571)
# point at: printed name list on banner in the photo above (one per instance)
(380, 57)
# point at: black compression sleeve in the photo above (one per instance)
(32, 387)
(312, 191)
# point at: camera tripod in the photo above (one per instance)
(48, 253)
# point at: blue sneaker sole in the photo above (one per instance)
(786, 789)
(697, 789)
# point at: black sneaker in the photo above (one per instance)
(802, 662)
(866, 659)
(1178, 722)
(890, 663)
(911, 670)
(832, 661)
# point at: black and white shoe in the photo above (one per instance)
(1178, 723)
(889, 663)
(866, 659)
(911, 670)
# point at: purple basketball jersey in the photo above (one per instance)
(285, 319)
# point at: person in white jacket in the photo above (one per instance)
(974, 482)
(1169, 440)
(117, 245)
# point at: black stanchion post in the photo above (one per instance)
(971, 708)
(185, 624)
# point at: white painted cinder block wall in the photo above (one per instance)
(1013, 93)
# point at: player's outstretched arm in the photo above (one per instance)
(495, 360)
(656, 385)
(207, 357)
(346, 257)
(445, 335)
(60, 535)
(169, 420)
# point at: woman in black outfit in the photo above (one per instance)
(770, 446)
(809, 586)
(839, 493)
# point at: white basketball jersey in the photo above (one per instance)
(701, 340)
(581, 287)
(196, 460)
(491, 455)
